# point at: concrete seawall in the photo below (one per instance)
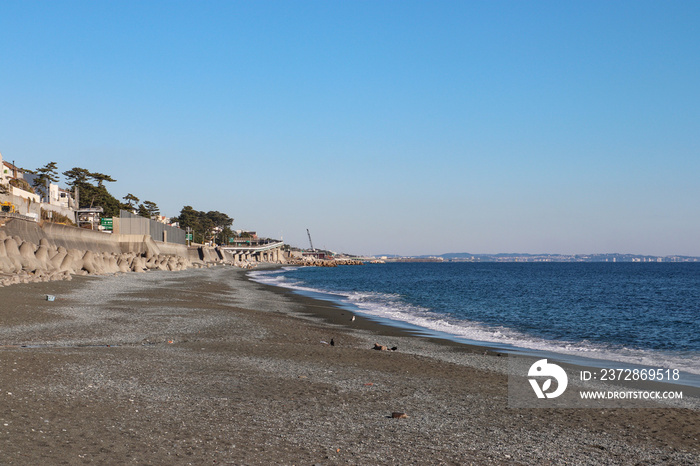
(32, 252)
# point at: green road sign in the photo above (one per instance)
(107, 223)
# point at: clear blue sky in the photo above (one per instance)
(382, 126)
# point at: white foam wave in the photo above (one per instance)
(275, 278)
(392, 307)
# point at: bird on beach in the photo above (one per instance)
(352, 319)
(332, 342)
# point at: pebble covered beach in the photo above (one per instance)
(204, 366)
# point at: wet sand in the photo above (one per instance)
(206, 367)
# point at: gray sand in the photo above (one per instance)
(205, 367)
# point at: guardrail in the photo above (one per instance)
(261, 247)
(16, 215)
(252, 241)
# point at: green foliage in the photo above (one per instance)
(46, 174)
(129, 198)
(77, 176)
(142, 211)
(152, 208)
(207, 226)
(148, 209)
(223, 236)
(91, 195)
(101, 178)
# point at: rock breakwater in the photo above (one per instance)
(30, 252)
(24, 262)
(315, 262)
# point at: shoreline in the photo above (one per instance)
(335, 312)
(204, 366)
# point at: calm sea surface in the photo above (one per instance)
(641, 313)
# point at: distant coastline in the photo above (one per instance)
(517, 257)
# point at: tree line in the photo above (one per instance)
(92, 191)
(206, 226)
(212, 226)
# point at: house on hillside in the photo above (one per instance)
(11, 172)
(57, 197)
(4, 172)
(15, 177)
(17, 194)
(60, 197)
(33, 202)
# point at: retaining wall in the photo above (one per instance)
(32, 252)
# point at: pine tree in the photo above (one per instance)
(45, 175)
(129, 198)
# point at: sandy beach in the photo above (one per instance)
(207, 367)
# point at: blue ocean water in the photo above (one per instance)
(639, 313)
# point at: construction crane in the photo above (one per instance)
(312, 244)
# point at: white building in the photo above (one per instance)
(31, 204)
(9, 171)
(60, 197)
(25, 202)
(3, 172)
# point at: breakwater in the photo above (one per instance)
(314, 262)
(32, 252)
